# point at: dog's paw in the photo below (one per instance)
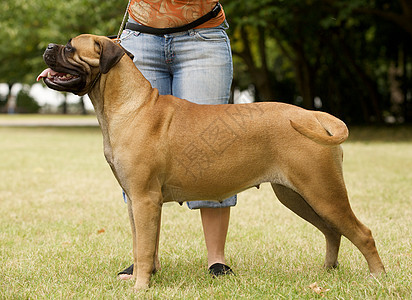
(331, 266)
(141, 285)
(157, 266)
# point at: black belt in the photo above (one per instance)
(162, 31)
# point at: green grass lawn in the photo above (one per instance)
(64, 230)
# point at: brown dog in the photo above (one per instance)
(163, 149)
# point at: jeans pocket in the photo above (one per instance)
(211, 35)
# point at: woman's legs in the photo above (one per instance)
(202, 73)
(197, 66)
(215, 222)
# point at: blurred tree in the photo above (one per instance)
(374, 40)
(291, 27)
(339, 52)
(18, 48)
(354, 57)
(25, 103)
(399, 12)
(26, 27)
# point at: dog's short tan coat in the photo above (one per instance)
(163, 149)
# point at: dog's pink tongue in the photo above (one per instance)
(45, 73)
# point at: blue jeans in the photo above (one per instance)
(195, 65)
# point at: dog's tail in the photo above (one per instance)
(328, 130)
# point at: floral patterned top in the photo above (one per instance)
(173, 13)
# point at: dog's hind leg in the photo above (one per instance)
(330, 201)
(298, 205)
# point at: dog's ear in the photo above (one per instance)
(110, 54)
(115, 40)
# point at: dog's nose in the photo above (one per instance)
(49, 55)
(51, 46)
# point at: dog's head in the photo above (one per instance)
(75, 67)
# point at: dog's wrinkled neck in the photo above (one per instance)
(94, 83)
(135, 94)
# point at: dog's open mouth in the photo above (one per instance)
(61, 81)
(56, 77)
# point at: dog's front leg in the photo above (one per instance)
(145, 213)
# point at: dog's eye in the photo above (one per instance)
(69, 48)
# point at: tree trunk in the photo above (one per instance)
(367, 82)
(407, 89)
(305, 75)
(260, 75)
(11, 100)
(64, 105)
(83, 107)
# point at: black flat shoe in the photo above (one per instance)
(219, 269)
(127, 271)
